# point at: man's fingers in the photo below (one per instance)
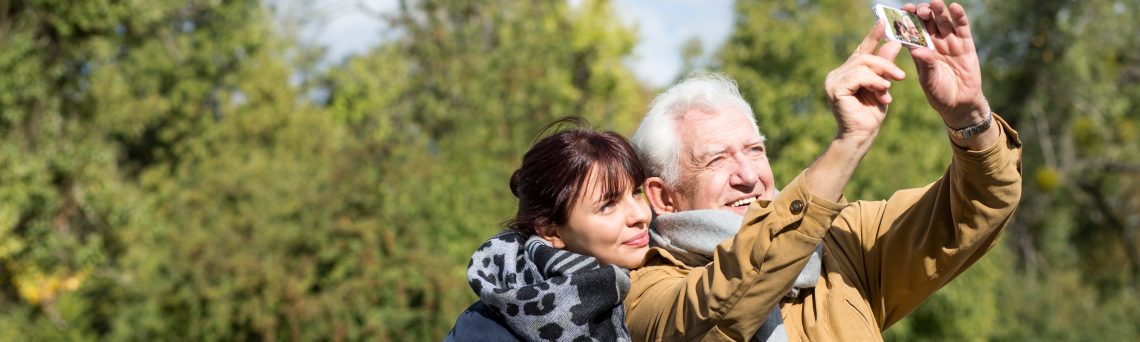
(858, 82)
(878, 99)
(854, 80)
(942, 18)
(885, 98)
(922, 56)
(879, 65)
(961, 24)
(889, 51)
(923, 12)
(925, 61)
(872, 39)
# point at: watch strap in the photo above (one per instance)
(973, 130)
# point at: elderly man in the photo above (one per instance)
(865, 264)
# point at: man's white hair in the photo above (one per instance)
(657, 140)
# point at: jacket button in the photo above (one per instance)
(797, 207)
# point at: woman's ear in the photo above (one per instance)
(659, 195)
(550, 234)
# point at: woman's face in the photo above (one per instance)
(616, 231)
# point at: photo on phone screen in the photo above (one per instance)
(903, 27)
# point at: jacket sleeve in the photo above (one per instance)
(731, 296)
(902, 250)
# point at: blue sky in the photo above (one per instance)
(662, 27)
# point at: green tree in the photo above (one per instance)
(135, 134)
(1068, 71)
(66, 156)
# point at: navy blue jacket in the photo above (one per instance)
(481, 323)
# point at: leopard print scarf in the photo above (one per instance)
(549, 294)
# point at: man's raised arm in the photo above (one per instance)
(918, 240)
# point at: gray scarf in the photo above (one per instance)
(550, 294)
(699, 231)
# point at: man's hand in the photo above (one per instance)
(950, 74)
(859, 90)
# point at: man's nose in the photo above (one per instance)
(745, 174)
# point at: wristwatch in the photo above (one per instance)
(974, 129)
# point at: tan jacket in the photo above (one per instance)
(881, 259)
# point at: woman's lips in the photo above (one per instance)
(641, 240)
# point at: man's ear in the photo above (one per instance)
(659, 195)
(550, 234)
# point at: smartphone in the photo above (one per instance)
(903, 27)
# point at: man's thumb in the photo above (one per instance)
(923, 57)
(924, 60)
(890, 50)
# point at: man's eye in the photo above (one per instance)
(715, 161)
(757, 152)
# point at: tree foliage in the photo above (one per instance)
(164, 175)
(1069, 71)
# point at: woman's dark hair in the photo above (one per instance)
(555, 169)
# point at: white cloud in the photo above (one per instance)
(345, 27)
(664, 25)
(350, 34)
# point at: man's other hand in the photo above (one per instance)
(950, 75)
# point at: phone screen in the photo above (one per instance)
(903, 27)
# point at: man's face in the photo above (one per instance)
(724, 164)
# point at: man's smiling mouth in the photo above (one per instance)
(744, 201)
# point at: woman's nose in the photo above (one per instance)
(639, 211)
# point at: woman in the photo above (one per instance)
(560, 270)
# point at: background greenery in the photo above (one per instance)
(188, 170)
